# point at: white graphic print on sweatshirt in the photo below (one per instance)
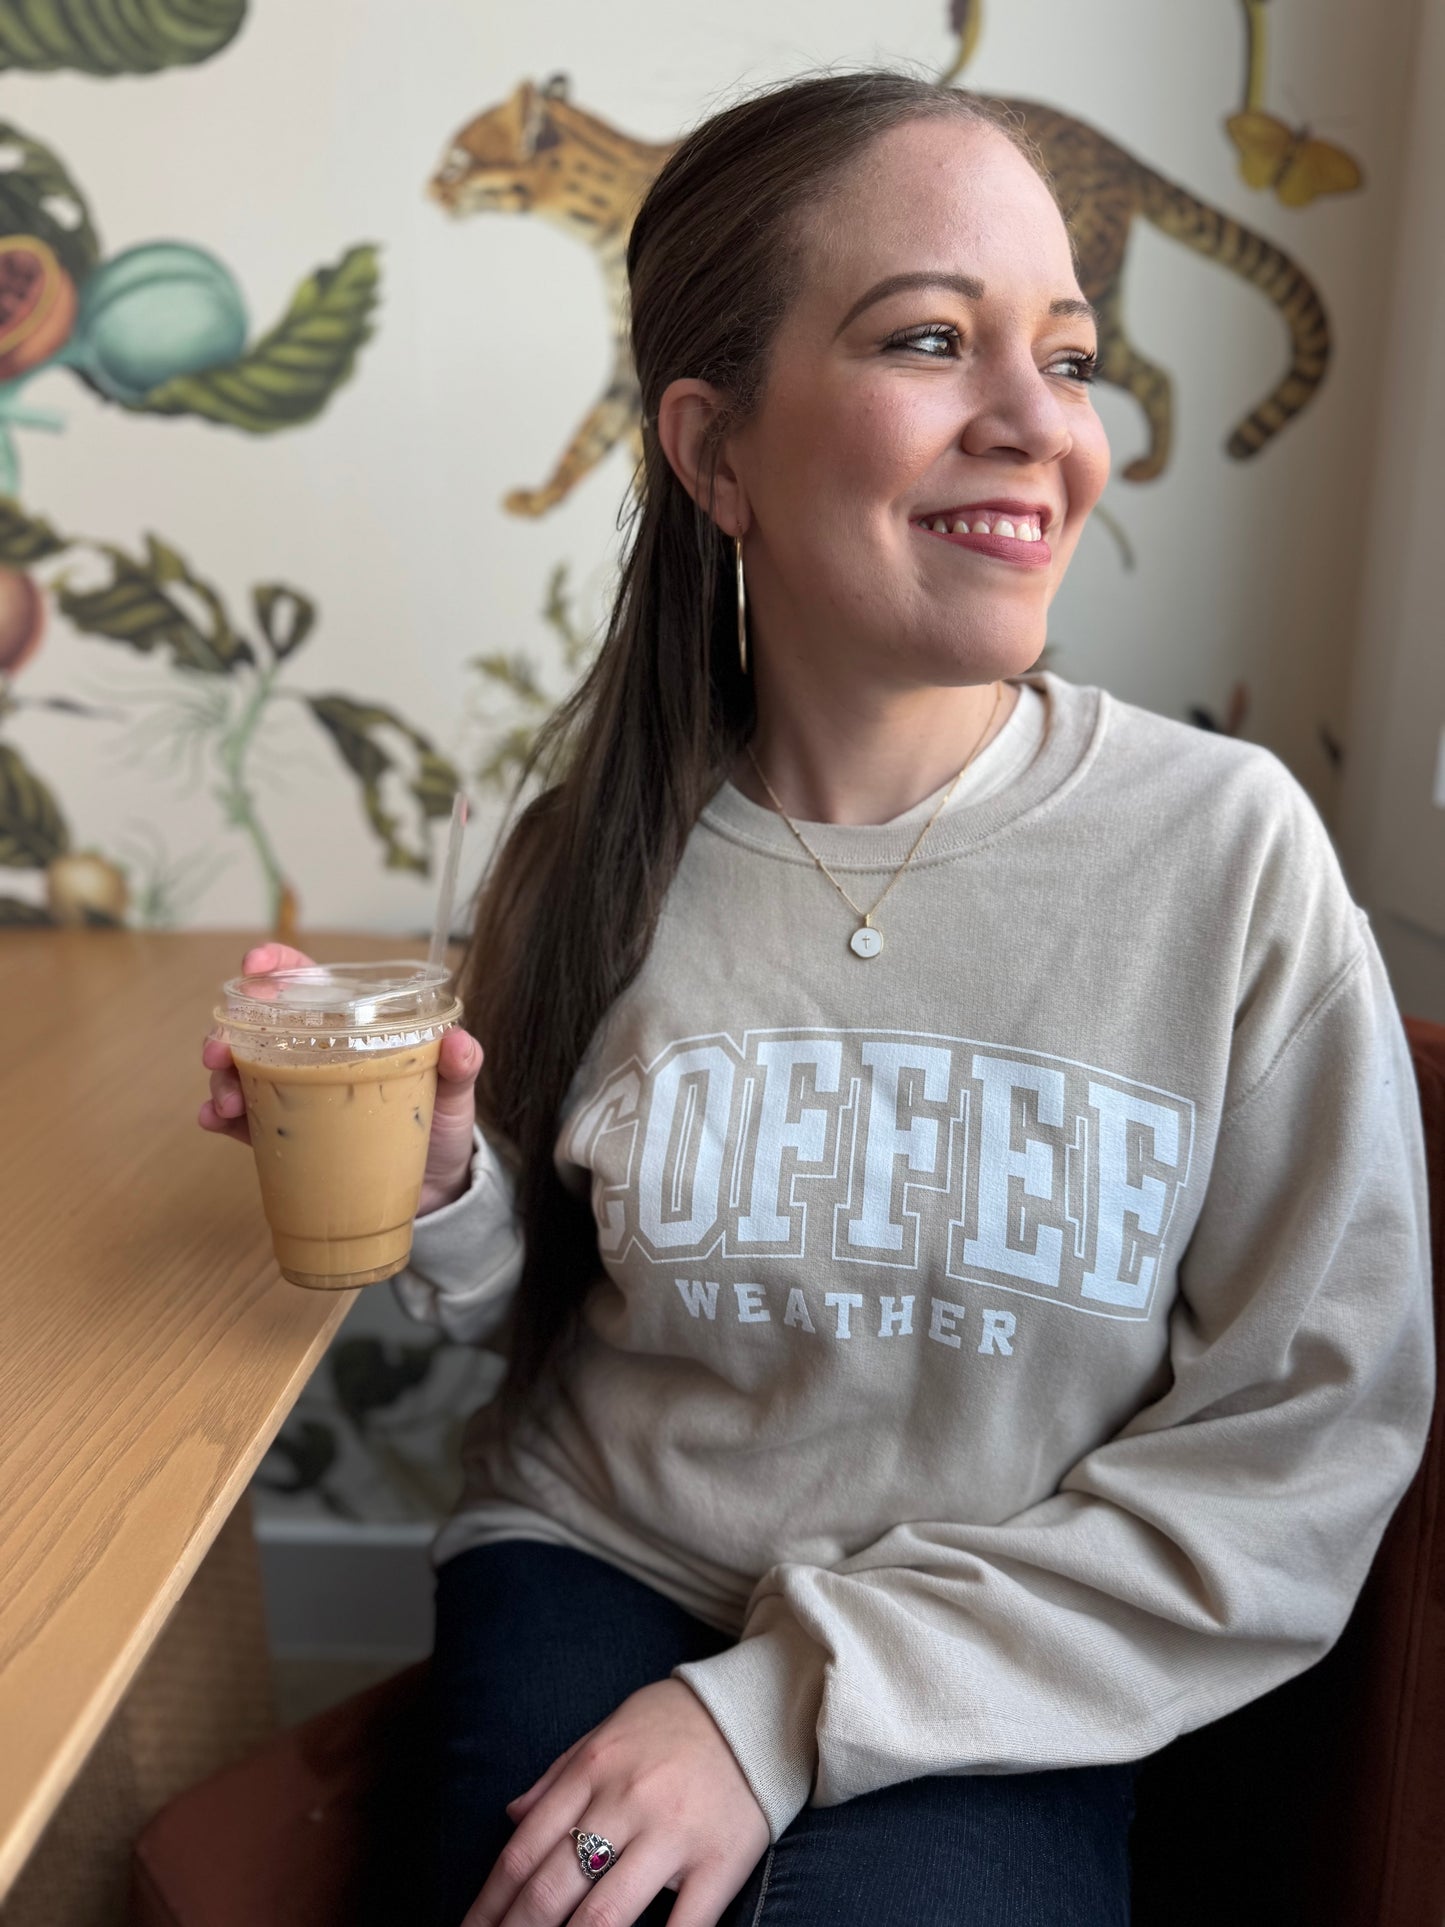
(890, 1150)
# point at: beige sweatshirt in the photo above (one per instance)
(1018, 1340)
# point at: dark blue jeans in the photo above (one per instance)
(535, 1644)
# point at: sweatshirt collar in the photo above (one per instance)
(1076, 719)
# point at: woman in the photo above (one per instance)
(949, 1184)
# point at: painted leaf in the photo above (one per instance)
(32, 830)
(37, 196)
(16, 914)
(114, 36)
(517, 675)
(139, 606)
(576, 645)
(508, 758)
(286, 617)
(26, 538)
(358, 730)
(291, 373)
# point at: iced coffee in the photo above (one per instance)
(338, 1067)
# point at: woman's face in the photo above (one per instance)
(934, 367)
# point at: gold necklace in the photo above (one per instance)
(866, 941)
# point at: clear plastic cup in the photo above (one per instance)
(338, 1065)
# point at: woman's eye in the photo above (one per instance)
(938, 341)
(919, 338)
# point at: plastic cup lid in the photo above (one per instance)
(335, 1002)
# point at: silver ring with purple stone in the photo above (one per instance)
(595, 1853)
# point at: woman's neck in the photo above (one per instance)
(832, 764)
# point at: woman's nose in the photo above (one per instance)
(1014, 412)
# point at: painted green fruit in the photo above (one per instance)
(159, 310)
(37, 304)
(22, 619)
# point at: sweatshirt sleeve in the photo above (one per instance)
(466, 1258)
(1210, 1550)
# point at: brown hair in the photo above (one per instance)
(566, 913)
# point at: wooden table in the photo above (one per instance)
(149, 1348)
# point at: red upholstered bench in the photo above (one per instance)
(1320, 1805)
(315, 1829)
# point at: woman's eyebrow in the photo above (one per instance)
(968, 285)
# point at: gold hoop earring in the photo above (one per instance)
(742, 607)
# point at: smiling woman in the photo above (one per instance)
(1067, 1215)
(951, 387)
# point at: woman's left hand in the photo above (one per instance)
(659, 1781)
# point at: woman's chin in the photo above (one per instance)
(954, 662)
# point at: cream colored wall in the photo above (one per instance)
(318, 129)
(1392, 814)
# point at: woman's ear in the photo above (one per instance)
(687, 421)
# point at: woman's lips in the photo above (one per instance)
(1003, 548)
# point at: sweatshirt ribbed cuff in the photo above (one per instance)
(458, 1246)
(466, 1257)
(765, 1694)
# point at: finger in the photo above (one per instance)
(554, 1893)
(210, 1119)
(264, 957)
(526, 1851)
(524, 1802)
(551, 1894)
(633, 1882)
(459, 1058)
(216, 1054)
(226, 1093)
(702, 1901)
(518, 1881)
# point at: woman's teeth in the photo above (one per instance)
(1024, 528)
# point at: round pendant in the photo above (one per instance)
(865, 941)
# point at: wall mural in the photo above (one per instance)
(539, 152)
(1272, 154)
(516, 694)
(158, 329)
(161, 329)
(210, 727)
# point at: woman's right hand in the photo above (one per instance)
(449, 1150)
